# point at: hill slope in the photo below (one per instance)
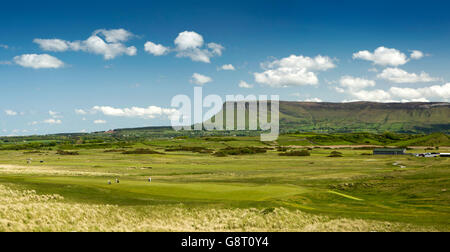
(365, 117)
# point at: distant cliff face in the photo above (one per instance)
(365, 116)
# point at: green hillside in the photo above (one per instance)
(364, 117)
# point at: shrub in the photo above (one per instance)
(302, 153)
(142, 151)
(282, 149)
(335, 154)
(118, 150)
(188, 148)
(67, 153)
(242, 151)
(220, 154)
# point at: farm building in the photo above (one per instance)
(388, 151)
(445, 155)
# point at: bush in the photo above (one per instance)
(192, 149)
(142, 151)
(282, 149)
(302, 153)
(220, 154)
(112, 151)
(67, 153)
(335, 154)
(242, 151)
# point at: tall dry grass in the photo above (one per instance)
(24, 210)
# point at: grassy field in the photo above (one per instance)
(197, 191)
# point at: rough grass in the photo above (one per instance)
(24, 210)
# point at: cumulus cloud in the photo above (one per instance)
(383, 56)
(38, 61)
(243, 84)
(115, 35)
(108, 43)
(357, 88)
(354, 83)
(188, 44)
(99, 122)
(147, 113)
(54, 45)
(227, 67)
(377, 95)
(397, 75)
(416, 54)
(200, 79)
(157, 50)
(293, 71)
(189, 40)
(52, 121)
(10, 112)
(436, 91)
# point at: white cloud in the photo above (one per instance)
(339, 90)
(416, 54)
(227, 67)
(313, 100)
(97, 45)
(80, 112)
(38, 61)
(157, 50)
(243, 84)
(115, 35)
(189, 40)
(293, 71)
(190, 44)
(4, 46)
(10, 112)
(216, 48)
(355, 83)
(383, 56)
(147, 113)
(356, 87)
(196, 54)
(99, 121)
(200, 79)
(54, 45)
(397, 75)
(372, 95)
(415, 100)
(52, 121)
(110, 47)
(441, 92)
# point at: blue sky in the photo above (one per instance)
(83, 66)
